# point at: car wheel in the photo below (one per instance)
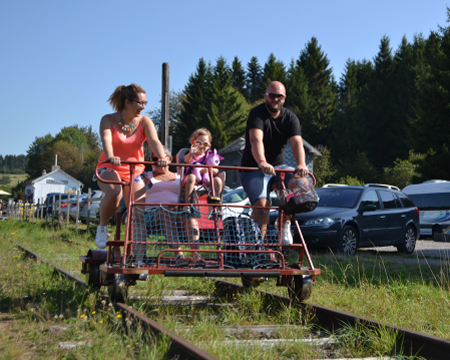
(409, 241)
(348, 241)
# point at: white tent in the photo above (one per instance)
(4, 193)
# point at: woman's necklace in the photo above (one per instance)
(163, 176)
(127, 127)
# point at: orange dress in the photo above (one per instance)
(131, 149)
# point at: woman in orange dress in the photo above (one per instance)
(123, 134)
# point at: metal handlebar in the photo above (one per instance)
(124, 162)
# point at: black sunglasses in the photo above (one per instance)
(273, 96)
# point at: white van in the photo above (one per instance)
(432, 198)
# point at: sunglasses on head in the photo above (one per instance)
(204, 143)
(273, 96)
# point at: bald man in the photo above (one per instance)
(269, 127)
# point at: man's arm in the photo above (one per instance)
(258, 151)
(299, 153)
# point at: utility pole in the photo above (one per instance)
(165, 105)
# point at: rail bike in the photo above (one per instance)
(202, 238)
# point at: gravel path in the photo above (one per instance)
(427, 251)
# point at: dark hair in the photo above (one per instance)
(122, 92)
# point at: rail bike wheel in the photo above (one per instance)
(300, 288)
(93, 275)
(118, 288)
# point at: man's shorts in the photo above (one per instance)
(258, 185)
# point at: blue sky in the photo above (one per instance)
(60, 60)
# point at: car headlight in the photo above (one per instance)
(320, 222)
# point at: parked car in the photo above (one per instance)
(239, 197)
(432, 198)
(48, 205)
(351, 217)
(96, 196)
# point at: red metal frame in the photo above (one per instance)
(117, 266)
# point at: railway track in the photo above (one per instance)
(426, 346)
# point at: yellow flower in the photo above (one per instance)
(93, 312)
(119, 316)
(101, 321)
(18, 264)
(95, 322)
(82, 315)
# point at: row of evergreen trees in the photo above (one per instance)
(385, 120)
(13, 164)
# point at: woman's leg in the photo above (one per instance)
(111, 198)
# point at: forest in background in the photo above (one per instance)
(384, 120)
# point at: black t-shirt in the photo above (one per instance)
(276, 132)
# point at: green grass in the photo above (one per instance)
(14, 179)
(414, 296)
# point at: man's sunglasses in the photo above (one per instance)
(273, 96)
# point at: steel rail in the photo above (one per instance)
(428, 346)
(183, 345)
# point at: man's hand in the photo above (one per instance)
(266, 168)
(302, 170)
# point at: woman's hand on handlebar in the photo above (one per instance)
(162, 162)
(114, 160)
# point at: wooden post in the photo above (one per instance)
(67, 211)
(88, 220)
(165, 93)
(53, 210)
(59, 210)
(78, 210)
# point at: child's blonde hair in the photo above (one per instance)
(199, 132)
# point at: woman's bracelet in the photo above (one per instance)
(261, 161)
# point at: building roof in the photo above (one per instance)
(32, 182)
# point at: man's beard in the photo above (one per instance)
(273, 108)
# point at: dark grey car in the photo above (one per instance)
(350, 217)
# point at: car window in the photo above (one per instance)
(388, 200)
(437, 201)
(338, 197)
(234, 197)
(370, 198)
(405, 200)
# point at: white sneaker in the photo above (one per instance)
(287, 234)
(101, 237)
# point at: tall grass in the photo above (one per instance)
(415, 296)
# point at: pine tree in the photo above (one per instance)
(212, 102)
(432, 125)
(195, 105)
(274, 70)
(254, 81)
(323, 99)
(297, 98)
(238, 77)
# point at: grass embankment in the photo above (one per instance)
(412, 296)
(14, 179)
